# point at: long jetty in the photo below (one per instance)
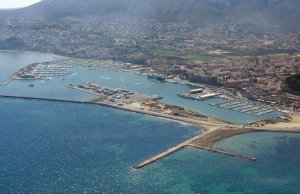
(202, 124)
(188, 144)
(6, 82)
(183, 145)
(168, 152)
(159, 156)
(223, 152)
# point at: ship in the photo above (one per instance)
(157, 76)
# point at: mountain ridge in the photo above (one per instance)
(285, 13)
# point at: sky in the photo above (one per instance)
(9, 4)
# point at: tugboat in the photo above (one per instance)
(31, 85)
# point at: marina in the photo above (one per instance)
(43, 71)
(250, 108)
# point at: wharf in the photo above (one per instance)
(110, 96)
(199, 97)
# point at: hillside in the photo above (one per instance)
(285, 13)
(293, 82)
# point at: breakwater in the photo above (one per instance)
(223, 152)
(205, 125)
(213, 132)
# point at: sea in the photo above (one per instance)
(58, 147)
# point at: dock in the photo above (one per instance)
(246, 107)
(183, 145)
(159, 156)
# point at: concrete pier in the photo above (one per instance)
(168, 152)
(159, 156)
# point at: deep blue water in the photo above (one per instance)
(53, 147)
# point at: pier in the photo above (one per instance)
(6, 82)
(198, 94)
(111, 96)
(223, 152)
(159, 156)
(168, 152)
(188, 144)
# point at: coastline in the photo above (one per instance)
(213, 130)
(204, 124)
(33, 52)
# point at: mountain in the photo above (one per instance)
(285, 13)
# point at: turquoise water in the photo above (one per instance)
(48, 147)
(53, 147)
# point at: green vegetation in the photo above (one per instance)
(181, 55)
(257, 52)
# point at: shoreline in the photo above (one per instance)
(203, 125)
(33, 52)
(212, 131)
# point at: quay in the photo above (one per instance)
(106, 95)
(197, 94)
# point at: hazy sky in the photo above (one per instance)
(6, 4)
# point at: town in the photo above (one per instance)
(246, 61)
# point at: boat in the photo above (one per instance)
(156, 76)
(31, 85)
